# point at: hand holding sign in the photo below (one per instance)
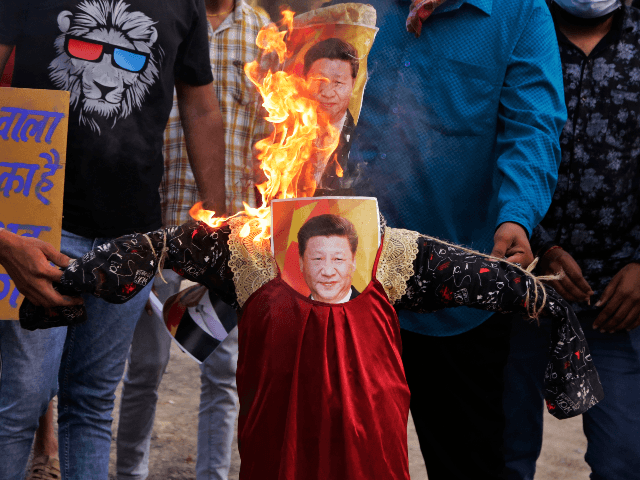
(33, 139)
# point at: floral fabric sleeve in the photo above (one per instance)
(447, 276)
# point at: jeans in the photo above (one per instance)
(88, 359)
(29, 380)
(148, 358)
(218, 410)
(612, 427)
(218, 398)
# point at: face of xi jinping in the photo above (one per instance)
(331, 86)
(328, 266)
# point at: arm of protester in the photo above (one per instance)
(511, 242)
(621, 301)
(5, 53)
(447, 276)
(204, 137)
(572, 286)
(26, 260)
(531, 116)
(262, 129)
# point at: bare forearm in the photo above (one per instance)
(204, 136)
(5, 53)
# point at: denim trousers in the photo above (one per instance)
(612, 427)
(83, 363)
(148, 359)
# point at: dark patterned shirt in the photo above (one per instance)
(594, 214)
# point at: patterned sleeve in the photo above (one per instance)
(120, 269)
(448, 276)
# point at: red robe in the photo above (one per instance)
(322, 388)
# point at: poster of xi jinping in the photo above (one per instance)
(329, 48)
(325, 248)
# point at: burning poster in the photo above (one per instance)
(301, 150)
(325, 248)
(33, 147)
(328, 47)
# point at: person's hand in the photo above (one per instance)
(621, 300)
(510, 241)
(26, 260)
(573, 286)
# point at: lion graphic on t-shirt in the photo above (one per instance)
(107, 58)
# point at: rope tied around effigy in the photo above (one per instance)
(163, 253)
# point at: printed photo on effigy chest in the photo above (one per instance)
(325, 248)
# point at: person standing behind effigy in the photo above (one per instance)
(28, 261)
(591, 232)
(120, 62)
(233, 27)
(459, 137)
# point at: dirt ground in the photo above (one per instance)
(173, 445)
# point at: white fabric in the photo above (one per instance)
(589, 8)
(205, 316)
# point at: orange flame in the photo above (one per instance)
(302, 139)
(339, 170)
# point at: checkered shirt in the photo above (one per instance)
(231, 46)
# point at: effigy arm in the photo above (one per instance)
(121, 268)
(446, 276)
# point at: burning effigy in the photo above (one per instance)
(320, 377)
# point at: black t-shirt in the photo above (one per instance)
(119, 60)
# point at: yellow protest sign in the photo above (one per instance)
(33, 149)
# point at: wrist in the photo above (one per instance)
(549, 256)
(514, 223)
(549, 250)
(5, 242)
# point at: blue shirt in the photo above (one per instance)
(459, 128)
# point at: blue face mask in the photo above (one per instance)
(588, 8)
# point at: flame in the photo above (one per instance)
(207, 216)
(339, 170)
(302, 139)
